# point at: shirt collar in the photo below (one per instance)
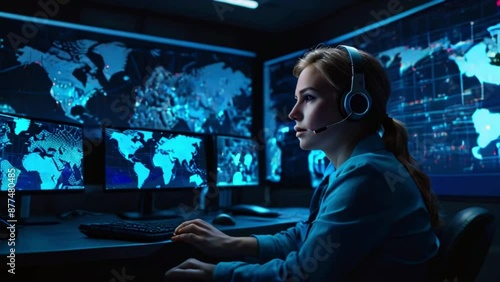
(369, 144)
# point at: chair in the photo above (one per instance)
(465, 241)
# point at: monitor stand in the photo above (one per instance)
(24, 213)
(147, 210)
(225, 197)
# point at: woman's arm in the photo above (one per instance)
(278, 246)
(245, 246)
(214, 242)
(354, 218)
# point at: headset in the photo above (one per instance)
(357, 102)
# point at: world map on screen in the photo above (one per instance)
(84, 77)
(465, 78)
(74, 76)
(40, 156)
(138, 159)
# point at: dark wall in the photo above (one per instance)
(267, 45)
(139, 21)
(360, 15)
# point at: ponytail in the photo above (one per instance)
(396, 141)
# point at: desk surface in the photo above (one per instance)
(63, 243)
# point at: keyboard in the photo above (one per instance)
(134, 231)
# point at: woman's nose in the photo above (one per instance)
(294, 114)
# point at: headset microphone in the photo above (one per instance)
(319, 130)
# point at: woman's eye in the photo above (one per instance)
(308, 98)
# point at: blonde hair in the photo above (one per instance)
(335, 65)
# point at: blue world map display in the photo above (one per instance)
(87, 75)
(444, 67)
(237, 161)
(141, 159)
(40, 155)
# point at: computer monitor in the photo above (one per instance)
(38, 157)
(444, 65)
(446, 88)
(88, 75)
(147, 161)
(237, 161)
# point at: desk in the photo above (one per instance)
(51, 246)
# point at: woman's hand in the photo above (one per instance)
(206, 238)
(191, 270)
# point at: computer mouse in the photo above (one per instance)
(223, 219)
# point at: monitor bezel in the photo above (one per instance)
(206, 146)
(23, 192)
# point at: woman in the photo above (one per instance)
(372, 216)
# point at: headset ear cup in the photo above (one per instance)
(344, 111)
(356, 105)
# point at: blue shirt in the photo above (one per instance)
(368, 222)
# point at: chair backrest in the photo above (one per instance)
(465, 242)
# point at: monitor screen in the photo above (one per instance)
(237, 161)
(444, 66)
(38, 155)
(152, 159)
(285, 161)
(85, 74)
(284, 158)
